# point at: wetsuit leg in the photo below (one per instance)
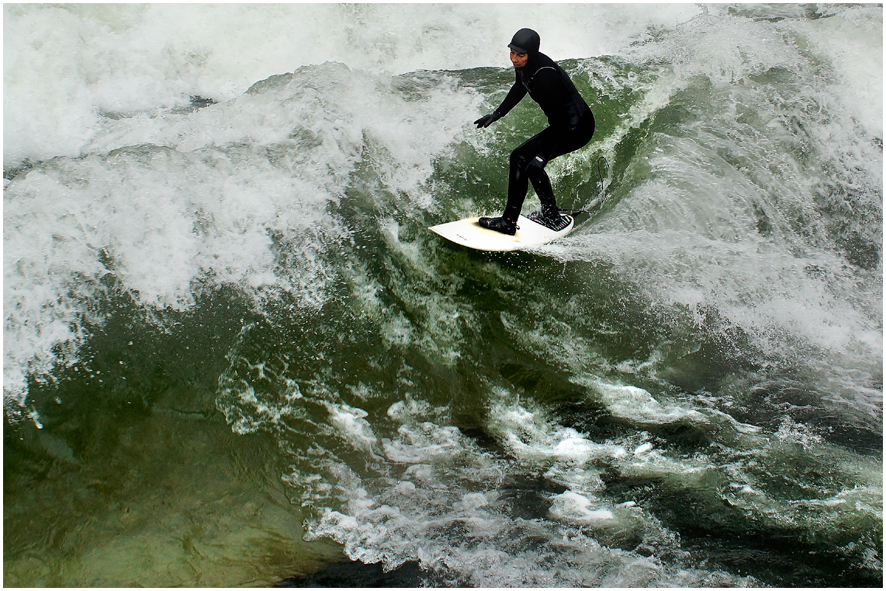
(520, 171)
(541, 182)
(548, 144)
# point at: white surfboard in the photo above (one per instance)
(468, 232)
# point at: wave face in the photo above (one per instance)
(224, 228)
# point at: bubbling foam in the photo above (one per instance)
(65, 66)
(450, 506)
(238, 193)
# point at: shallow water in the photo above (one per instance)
(235, 355)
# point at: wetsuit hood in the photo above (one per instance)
(525, 41)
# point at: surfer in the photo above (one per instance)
(570, 127)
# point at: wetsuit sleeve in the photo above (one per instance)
(515, 95)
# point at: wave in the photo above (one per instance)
(69, 66)
(702, 355)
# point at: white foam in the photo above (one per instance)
(445, 509)
(636, 404)
(351, 425)
(528, 433)
(644, 448)
(852, 39)
(578, 508)
(736, 224)
(65, 65)
(171, 199)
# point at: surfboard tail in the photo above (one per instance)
(559, 224)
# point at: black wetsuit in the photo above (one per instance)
(571, 126)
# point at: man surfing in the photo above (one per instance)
(570, 127)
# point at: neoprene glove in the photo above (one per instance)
(487, 120)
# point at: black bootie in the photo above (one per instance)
(550, 217)
(550, 212)
(503, 225)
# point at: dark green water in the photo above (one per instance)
(278, 367)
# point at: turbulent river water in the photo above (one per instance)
(234, 355)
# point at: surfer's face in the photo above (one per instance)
(519, 59)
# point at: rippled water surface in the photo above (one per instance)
(233, 353)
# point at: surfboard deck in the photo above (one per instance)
(468, 232)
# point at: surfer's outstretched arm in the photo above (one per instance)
(515, 95)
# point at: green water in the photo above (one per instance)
(246, 359)
(135, 479)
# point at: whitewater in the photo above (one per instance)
(234, 355)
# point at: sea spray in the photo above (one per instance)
(67, 67)
(203, 201)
